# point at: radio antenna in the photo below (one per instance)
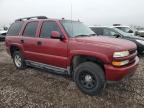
(71, 11)
(71, 19)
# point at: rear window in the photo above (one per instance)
(14, 29)
(30, 30)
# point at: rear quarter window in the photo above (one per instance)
(15, 29)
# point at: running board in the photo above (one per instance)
(55, 69)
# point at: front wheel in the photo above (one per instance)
(18, 60)
(90, 78)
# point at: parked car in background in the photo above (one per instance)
(71, 48)
(2, 34)
(125, 29)
(130, 31)
(140, 33)
(114, 32)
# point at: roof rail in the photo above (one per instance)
(28, 18)
(116, 24)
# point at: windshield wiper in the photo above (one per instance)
(92, 34)
(81, 35)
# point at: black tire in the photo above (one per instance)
(89, 86)
(140, 52)
(22, 61)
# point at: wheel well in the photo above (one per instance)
(3, 34)
(81, 59)
(12, 49)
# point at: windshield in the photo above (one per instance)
(75, 28)
(124, 29)
(121, 32)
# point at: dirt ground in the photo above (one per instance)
(34, 88)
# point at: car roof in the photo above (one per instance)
(107, 26)
(121, 26)
(38, 20)
(50, 19)
(41, 18)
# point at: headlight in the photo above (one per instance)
(140, 41)
(121, 54)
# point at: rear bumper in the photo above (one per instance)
(117, 74)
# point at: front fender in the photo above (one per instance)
(102, 57)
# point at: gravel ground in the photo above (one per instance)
(34, 88)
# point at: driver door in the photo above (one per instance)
(52, 51)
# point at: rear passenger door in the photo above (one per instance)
(29, 40)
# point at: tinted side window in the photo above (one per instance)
(47, 28)
(98, 31)
(109, 32)
(15, 29)
(30, 29)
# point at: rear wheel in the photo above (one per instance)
(18, 60)
(89, 77)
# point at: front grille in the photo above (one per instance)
(132, 60)
(133, 54)
(132, 51)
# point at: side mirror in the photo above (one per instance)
(56, 35)
(130, 31)
(117, 35)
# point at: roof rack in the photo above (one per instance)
(116, 24)
(34, 17)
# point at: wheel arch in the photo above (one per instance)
(78, 59)
(13, 48)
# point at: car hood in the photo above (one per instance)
(114, 43)
(135, 37)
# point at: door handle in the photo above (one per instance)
(39, 43)
(22, 41)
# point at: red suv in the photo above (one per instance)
(70, 47)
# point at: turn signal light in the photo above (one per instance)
(120, 63)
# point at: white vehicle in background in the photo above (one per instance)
(140, 31)
(3, 32)
(125, 29)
